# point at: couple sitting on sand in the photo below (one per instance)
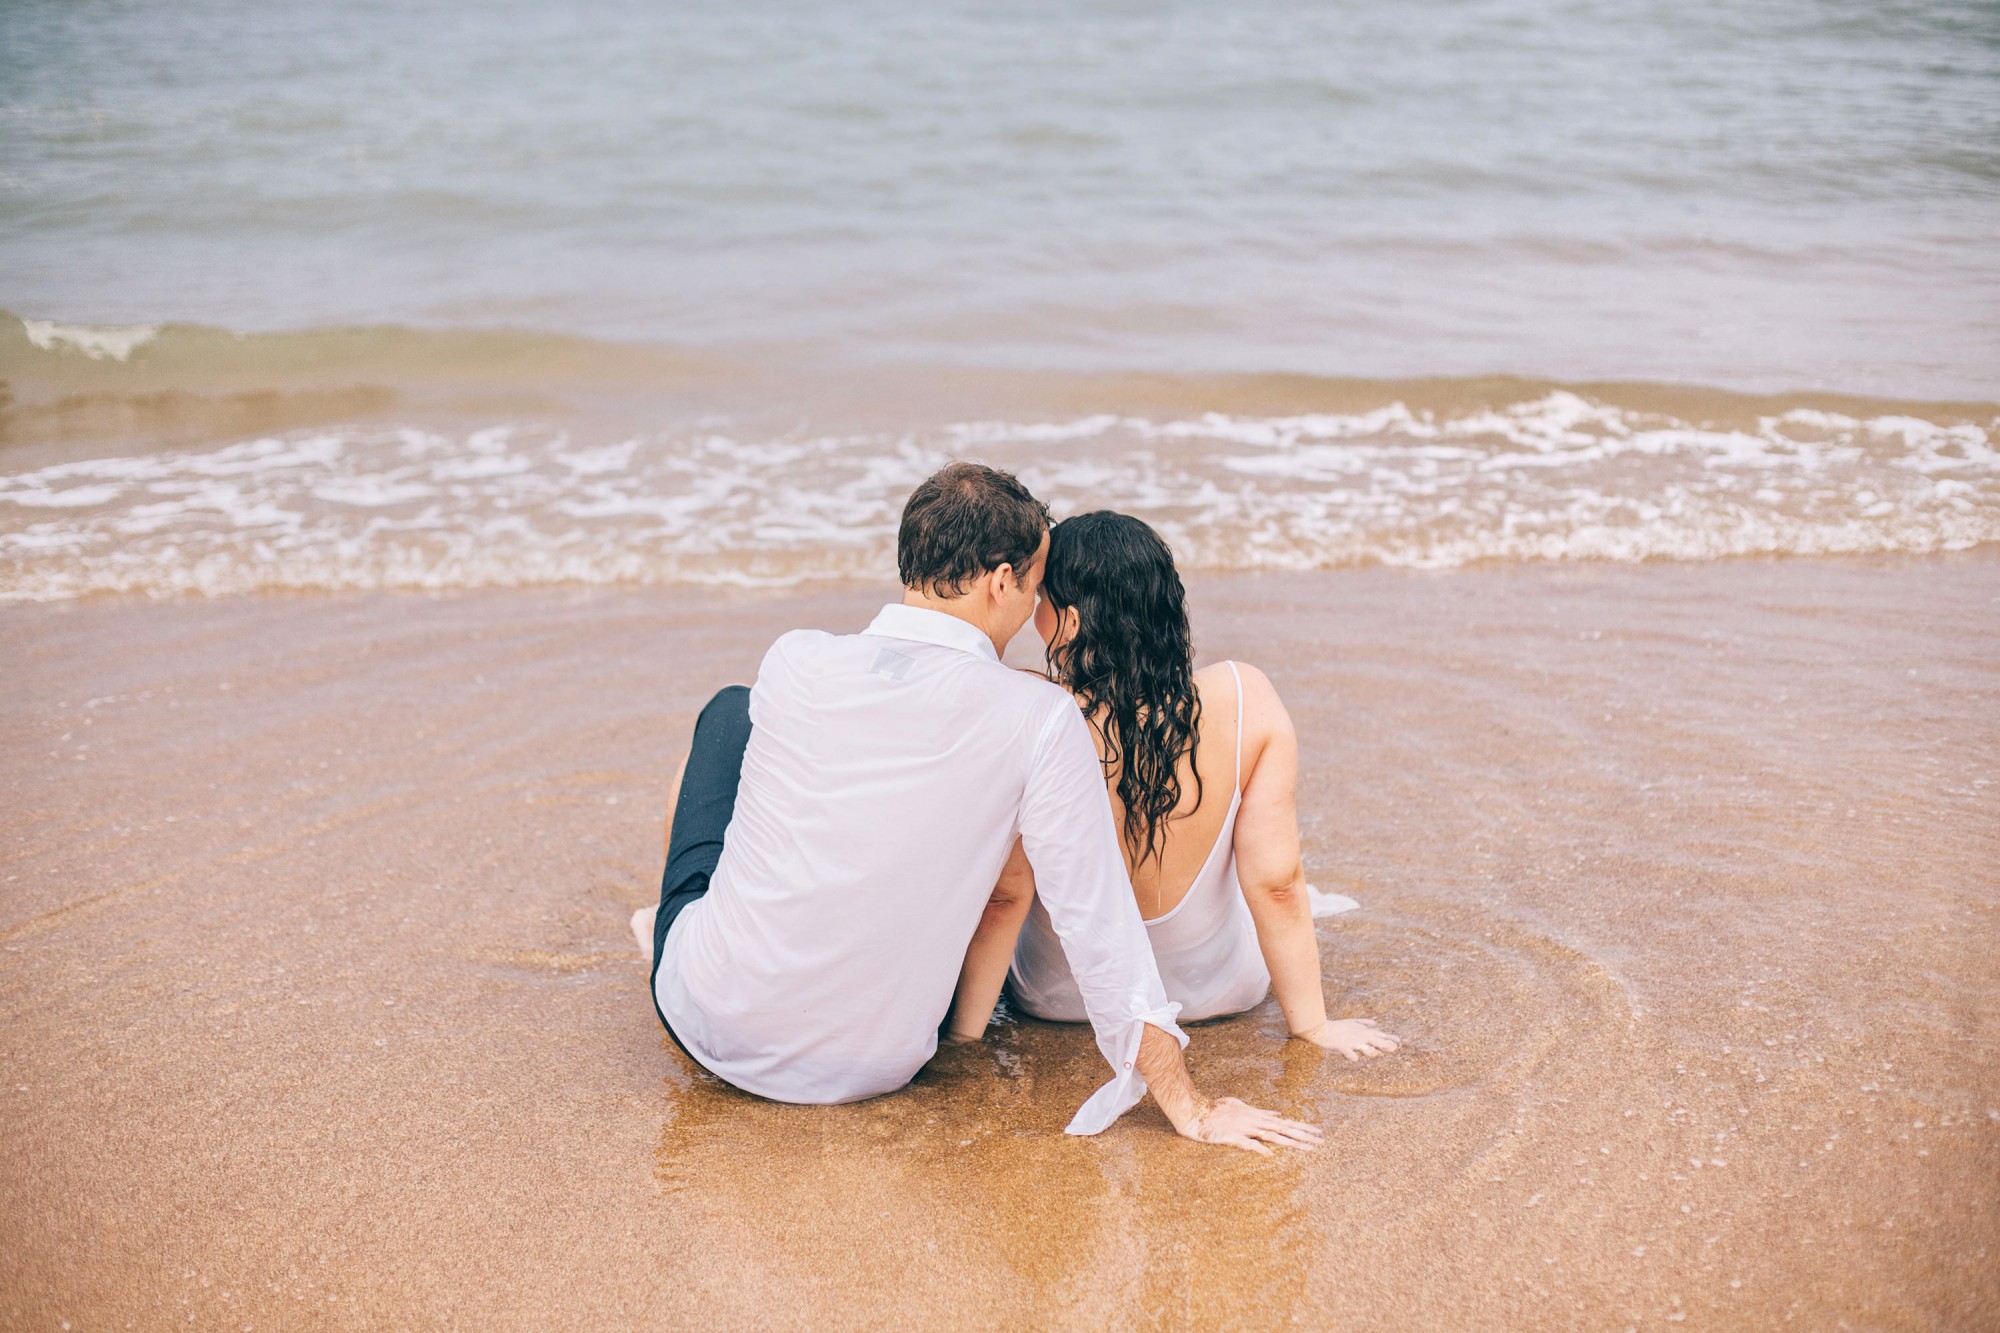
(867, 841)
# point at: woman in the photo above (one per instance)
(1201, 768)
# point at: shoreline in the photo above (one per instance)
(833, 587)
(322, 1008)
(79, 392)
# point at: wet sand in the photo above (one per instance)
(320, 1007)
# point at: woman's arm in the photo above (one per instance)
(992, 950)
(1274, 881)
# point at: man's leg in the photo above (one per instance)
(673, 799)
(643, 919)
(703, 807)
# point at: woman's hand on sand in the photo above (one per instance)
(1354, 1038)
(1241, 1125)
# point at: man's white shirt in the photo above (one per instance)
(887, 776)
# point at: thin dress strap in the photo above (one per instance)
(1239, 725)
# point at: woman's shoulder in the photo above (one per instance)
(1228, 671)
(1262, 708)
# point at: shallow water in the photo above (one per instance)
(321, 1003)
(1776, 197)
(421, 296)
(1414, 474)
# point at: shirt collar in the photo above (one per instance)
(922, 625)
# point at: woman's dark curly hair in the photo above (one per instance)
(1131, 661)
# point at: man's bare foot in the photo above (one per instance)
(1354, 1038)
(642, 930)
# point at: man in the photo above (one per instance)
(841, 826)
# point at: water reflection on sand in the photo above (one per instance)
(321, 1004)
(967, 1170)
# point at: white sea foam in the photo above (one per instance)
(1555, 478)
(97, 342)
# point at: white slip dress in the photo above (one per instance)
(1206, 947)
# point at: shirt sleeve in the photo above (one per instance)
(1067, 833)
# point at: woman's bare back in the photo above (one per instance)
(1160, 883)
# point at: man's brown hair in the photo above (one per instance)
(963, 521)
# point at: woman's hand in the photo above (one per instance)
(1352, 1037)
(1241, 1125)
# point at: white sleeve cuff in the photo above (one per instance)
(1127, 1084)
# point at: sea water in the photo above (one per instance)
(209, 200)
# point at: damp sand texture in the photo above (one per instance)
(320, 1009)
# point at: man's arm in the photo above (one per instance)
(1194, 1116)
(992, 950)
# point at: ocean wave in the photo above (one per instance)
(97, 342)
(1555, 477)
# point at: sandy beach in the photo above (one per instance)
(1586, 415)
(321, 1011)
